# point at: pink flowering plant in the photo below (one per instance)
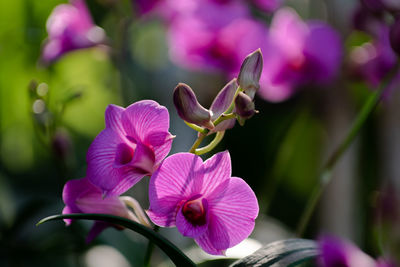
(197, 191)
(200, 198)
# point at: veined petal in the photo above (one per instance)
(233, 209)
(216, 170)
(101, 169)
(172, 184)
(113, 116)
(145, 117)
(161, 143)
(207, 245)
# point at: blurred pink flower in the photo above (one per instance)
(132, 145)
(81, 196)
(297, 53)
(336, 252)
(203, 201)
(373, 60)
(70, 27)
(217, 36)
(213, 35)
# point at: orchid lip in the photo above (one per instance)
(124, 155)
(195, 211)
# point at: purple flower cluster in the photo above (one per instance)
(201, 199)
(216, 35)
(372, 60)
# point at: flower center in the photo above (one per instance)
(297, 63)
(194, 212)
(124, 154)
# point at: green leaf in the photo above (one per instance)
(177, 256)
(283, 253)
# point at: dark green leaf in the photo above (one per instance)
(177, 256)
(283, 253)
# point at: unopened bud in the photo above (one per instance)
(250, 72)
(395, 36)
(224, 99)
(189, 109)
(244, 106)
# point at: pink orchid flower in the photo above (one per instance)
(297, 53)
(70, 27)
(81, 196)
(337, 252)
(132, 145)
(203, 201)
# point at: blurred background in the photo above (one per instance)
(52, 108)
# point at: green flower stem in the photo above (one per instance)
(174, 253)
(203, 134)
(218, 137)
(326, 174)
(197, 142)
(223, 117)
(195, 127)
(150, 248)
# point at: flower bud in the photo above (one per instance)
(224, 99)
(189, 109)
(244, 106)
(250, 73)
(395, 36)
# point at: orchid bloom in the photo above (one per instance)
(81, 196)
(203, 201)
(134, 142)
(70, 27)
(297, 53)
(336, 252)
(213, 35)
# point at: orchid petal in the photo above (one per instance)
(161, 143)
(145, 117)
(172, 183)
(234, 208)
(216, 170)
(113, 117)
(101, 170)
(143, 159)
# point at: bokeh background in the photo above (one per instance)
(49, 115)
